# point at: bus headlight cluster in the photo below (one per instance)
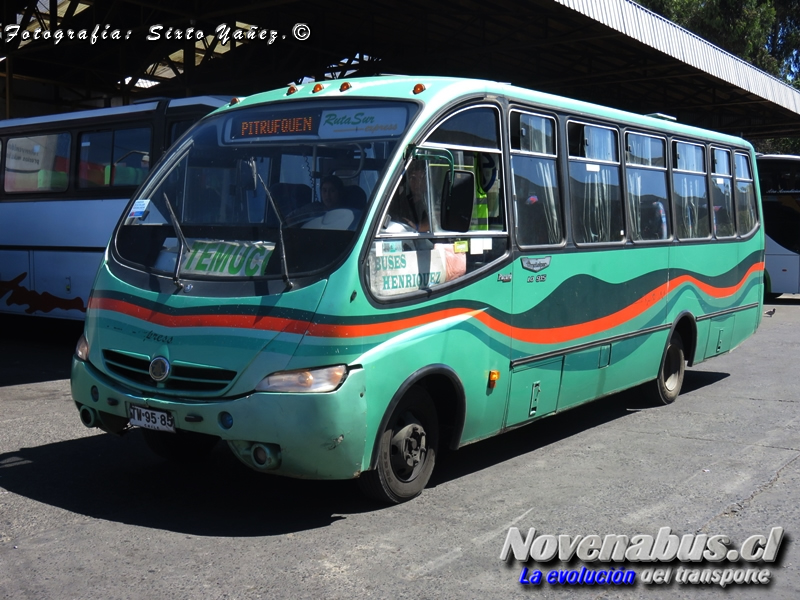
(306, 380)
(82, 348)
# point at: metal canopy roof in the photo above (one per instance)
(611, 52)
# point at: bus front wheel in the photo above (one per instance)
(406, 450)
(667, 384)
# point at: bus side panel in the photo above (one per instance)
(747, 321)
(64, 243)
(784, 272)
(16, 275)
(611, 299)
(709, 279)
(460, 331)
(64, 223)
(703, 328)
(61, 281)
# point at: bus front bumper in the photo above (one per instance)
(310, 436)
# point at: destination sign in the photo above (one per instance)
(250, 125)
(323, 124)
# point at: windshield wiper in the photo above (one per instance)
(289, 284)
(183, 246)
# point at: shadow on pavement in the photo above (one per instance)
(36, 349)
(118, 479)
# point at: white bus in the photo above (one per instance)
(66, 179)
(780, 192)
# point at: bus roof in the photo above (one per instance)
(440, 91)
(211, 101)
(790, 157)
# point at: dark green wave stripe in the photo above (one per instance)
(578, 299)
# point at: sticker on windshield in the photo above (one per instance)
(139, 209)
(227, 259)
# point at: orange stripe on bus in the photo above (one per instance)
(553, 335)
(204, 320)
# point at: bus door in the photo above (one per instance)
(536, 367)
(536, 364)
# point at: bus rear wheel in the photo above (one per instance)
(667, 384)
(406, 450)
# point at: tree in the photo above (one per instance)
(783, 39)
(765, 33)
(742, 27)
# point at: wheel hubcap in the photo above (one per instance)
(671, 368)
(409, 449)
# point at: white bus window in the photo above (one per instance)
(646, 174)
(689, 191)
(38, 163)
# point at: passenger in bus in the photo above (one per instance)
(331, 192)
(337, 214)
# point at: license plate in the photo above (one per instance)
(151, 419)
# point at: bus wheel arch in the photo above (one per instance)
(426, 414)
(686, 326)
(678, 351)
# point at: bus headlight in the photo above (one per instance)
(306, 380)
(82, 348)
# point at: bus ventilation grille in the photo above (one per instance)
(182, 378)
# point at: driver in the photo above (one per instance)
(408, 209)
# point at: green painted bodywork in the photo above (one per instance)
(596, 324)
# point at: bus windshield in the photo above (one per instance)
(277, 191)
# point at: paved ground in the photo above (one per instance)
(88, 515)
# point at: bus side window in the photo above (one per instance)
(646, 174)
(538, 207)
(690, 191)
(746, 216)
(414, 249)
(37, 163)
(537, 201)
(595, 184)
(722, 194)
(114, 158)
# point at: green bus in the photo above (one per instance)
(340, 279)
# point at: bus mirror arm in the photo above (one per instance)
(247, 175)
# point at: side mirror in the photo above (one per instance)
(247, 175)
(459, 198)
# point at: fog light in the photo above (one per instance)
(95, 393)
(266, 456)
(225, 420)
